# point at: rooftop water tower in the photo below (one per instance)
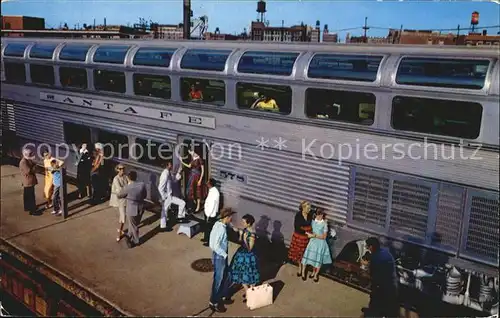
(261, 9)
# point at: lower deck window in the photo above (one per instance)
(203, 91)
(272, 98)
(73, 77)
(75, 134)
(115, 145)
(437, 116)
(352, 107)
(15, 73)
(152, 85)
(152, 152)
(42, 74)
(109, 81)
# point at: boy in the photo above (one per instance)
(57, 182)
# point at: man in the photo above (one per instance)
(218, 245)
(384, 282)
(135, 193)
(211, 209)
(165, 187)
(27, 168)
(84, 166)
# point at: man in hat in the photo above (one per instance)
(218, 245)
(27, 168)
(384, 278)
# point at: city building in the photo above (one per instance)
(296, 33)
(22, 23)
(170, 31)
(329, 37)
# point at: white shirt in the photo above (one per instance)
(212, 202)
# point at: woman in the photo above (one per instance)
(119, 182)
(48, 190)
(298, 245)
(194, 191)
(195, 94)
(84, 165)
(266, 103)
(97, 172)
(244, 266)
(317, 252)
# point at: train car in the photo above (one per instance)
(395, 141)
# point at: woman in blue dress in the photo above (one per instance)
(244, 268)
(317, 252)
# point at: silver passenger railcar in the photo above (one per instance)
(421, 123)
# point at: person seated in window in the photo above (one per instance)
(266, 103)
(195, 94)
(329, 111)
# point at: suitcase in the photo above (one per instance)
(259, 296)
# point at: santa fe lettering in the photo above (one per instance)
(195, 120)
(108, 105)
(165, 115)
(86, 102)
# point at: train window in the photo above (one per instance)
(109, 81)
(362, 68)
(264, 97)
(436, 116)
(152, 85)
(154, 57)
(75, 134)
(43, 51)
(74, 52)
(152, 152)
(115, 145)
(352, 107)
(73, 77)
(114, 54)
(453, 73)
(205, 60)
(203, 91)
(42, 74)
(272, 63)
(14, 73)
(15, 49)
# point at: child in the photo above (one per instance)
(57, 182)
(317, 252)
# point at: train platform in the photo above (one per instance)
(157, 278)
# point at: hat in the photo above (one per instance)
(225, 212)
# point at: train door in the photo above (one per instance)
(200, 148)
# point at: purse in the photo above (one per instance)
(259, 296)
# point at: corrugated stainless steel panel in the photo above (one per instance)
(482, 230)
(410, 208)
(450, 208)
(38, 124)
(8, 119)
(35, 119)
(283, 179)
(371, 193)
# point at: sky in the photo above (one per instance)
(232, 16)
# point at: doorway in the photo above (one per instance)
(203, 150)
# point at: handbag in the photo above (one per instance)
(259, 296)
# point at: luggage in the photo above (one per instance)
(259, 296)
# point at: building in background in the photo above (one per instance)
(22, 23)
(329, 37)
(262, 32)
(170, 31)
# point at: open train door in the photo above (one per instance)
(202, 149)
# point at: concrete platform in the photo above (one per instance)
(155, 278)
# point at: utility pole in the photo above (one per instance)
(187, 19)
(400, 33)
(458, 34)
(366, 28)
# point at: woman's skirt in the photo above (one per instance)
(195, 192)
(297, 247)
(48, 189)
(317, 253)
(244, 267)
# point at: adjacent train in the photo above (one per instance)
(395, 141)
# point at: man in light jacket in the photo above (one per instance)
(27, 168)
(165, 187)
(135, 193)
(211, 209)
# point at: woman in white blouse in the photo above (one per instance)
(119, 182)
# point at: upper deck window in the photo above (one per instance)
(43, 51)
(205, 60)
(114, 54)
(451, 73)
(362, 68)
(272, 63)
(15, 49)
(74, 52)
(153, 57)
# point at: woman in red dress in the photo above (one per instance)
(195, 94)
(302, 225)
(195, 189)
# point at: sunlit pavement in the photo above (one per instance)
(156, 277)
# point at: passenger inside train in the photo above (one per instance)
(203, 90)
(265, 103)
(273, 98)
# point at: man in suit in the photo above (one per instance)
(135, 193)
(28, 175)
(165, 187)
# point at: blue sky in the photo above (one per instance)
(232, 16)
